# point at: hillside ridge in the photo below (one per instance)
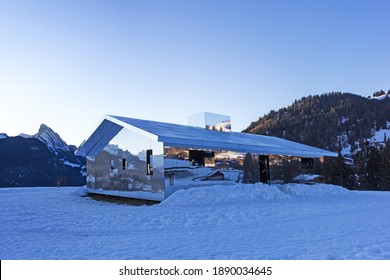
(327, 121)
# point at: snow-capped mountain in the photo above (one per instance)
(51, 139)
(43, 159)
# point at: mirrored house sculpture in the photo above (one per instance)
(151, 160)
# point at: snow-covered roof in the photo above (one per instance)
(195, 137)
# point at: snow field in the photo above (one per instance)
(221, 222)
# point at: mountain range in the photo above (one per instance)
(43, 159)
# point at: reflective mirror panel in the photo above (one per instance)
(130, 162)
(293, 169)
(211, 121)
(186, 168)
(135, 163)
(218, 122)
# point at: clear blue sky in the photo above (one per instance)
(67, 63)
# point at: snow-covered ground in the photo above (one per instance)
(381, 136)
(221, 222)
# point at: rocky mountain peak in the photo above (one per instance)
(51, 139)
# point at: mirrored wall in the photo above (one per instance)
(186, 168)
(131, 162)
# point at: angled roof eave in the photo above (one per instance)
(244, 148)
(99, 138)
(132, 127)
(104, 133)
(194, 137)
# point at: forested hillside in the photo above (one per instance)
(340, 122)
(325, 120)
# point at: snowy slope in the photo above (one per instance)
(24, 135)
(51, 139)
(381, 135)
(222, 222)
(381, 97)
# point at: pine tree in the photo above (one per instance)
(368, 165)
(373, 168)
(360, 160)
(385, 168)
(339, 173)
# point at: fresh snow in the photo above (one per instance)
(24, 135)
(381, 97)
(71, 164)
(83, 168)
(380, 136)
(306, 177)
(346, 150)
(224, 194)
(293, 221)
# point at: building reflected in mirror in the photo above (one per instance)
(211, 121)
